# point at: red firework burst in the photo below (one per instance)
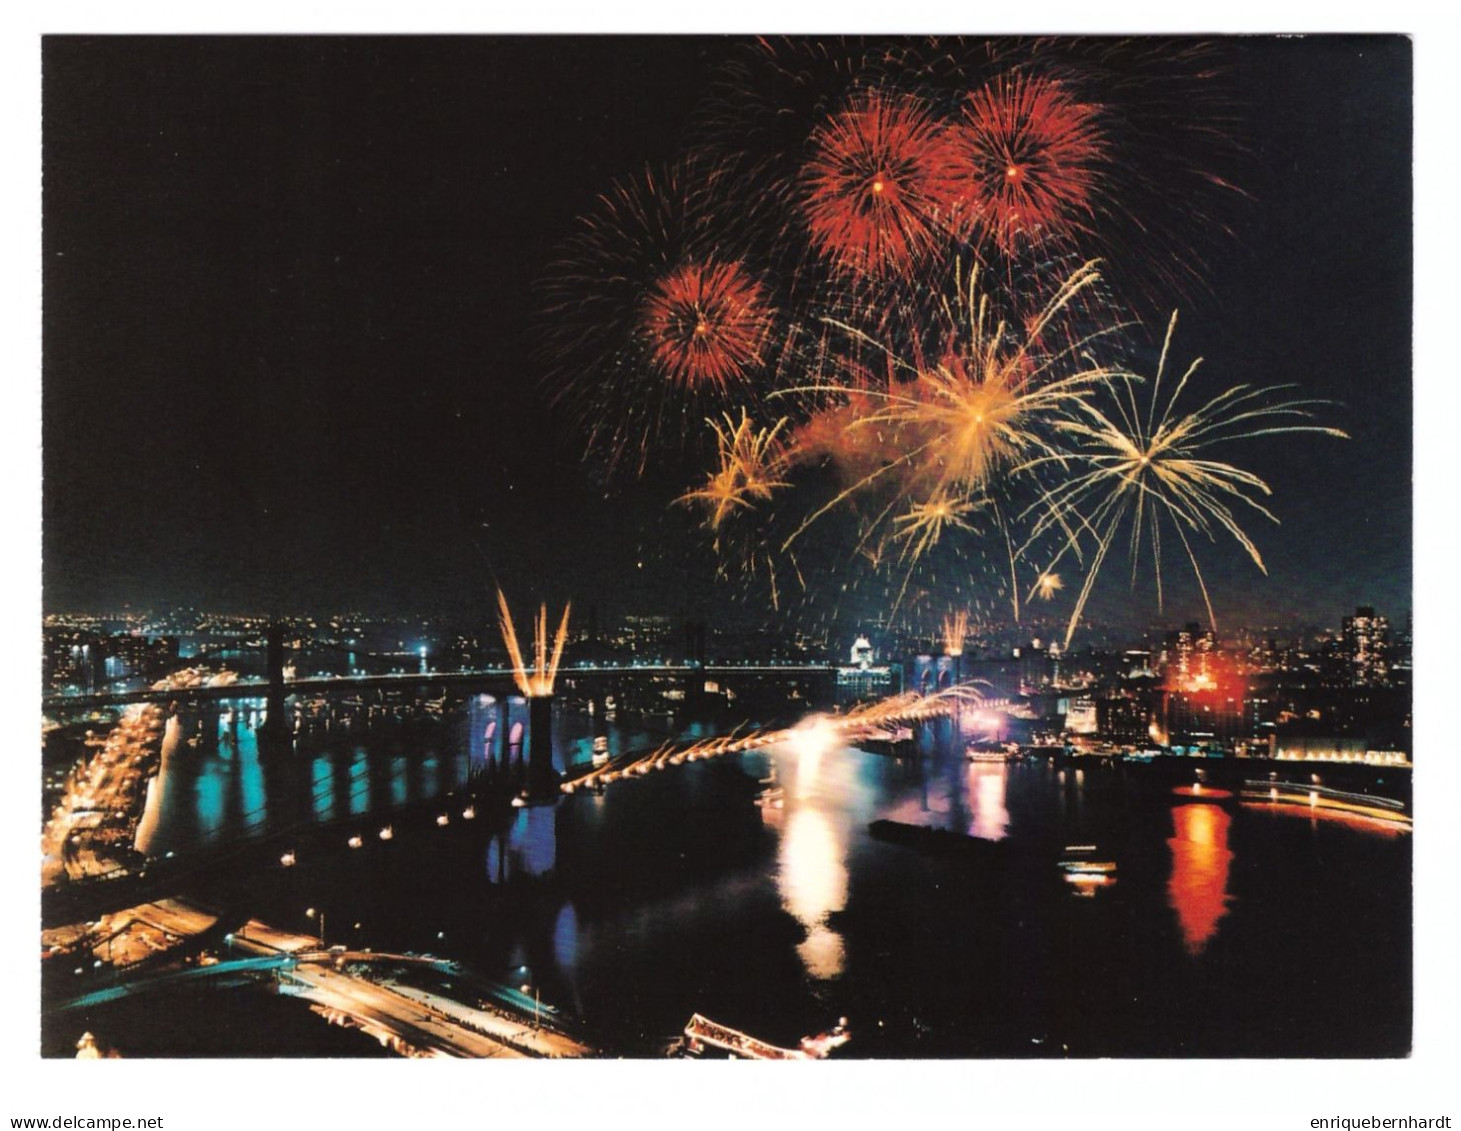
(875, 187)
(705, 324)
(1024, 160)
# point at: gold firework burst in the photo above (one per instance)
(750, 466)
(1151, 467)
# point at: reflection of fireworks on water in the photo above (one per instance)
(539, 680)
(874, 184)
(1025, 154)
(1149, 467)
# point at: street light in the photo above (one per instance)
(311, 913)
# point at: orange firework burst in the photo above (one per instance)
(874, 188)
(705, 324)
(982, 409)
(1024, 157)
(537, 681)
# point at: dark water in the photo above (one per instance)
(1228, 931)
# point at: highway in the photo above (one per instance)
(411, 1020)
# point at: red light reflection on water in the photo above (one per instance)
(1198, 889)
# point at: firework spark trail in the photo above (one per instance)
(752, 463)
(956, 435)
(539, 680)
(875, 192)
(1148, 467)
(867, 720)
(955, 631)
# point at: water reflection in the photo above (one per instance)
(988, 785)
(1198, 889)
(812, 882)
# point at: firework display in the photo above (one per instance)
(879, 316)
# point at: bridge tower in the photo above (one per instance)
(275, 729)
(542, 777)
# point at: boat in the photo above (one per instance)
(702, 1035)
(601, 751)
(1083, 870)
(773, 798)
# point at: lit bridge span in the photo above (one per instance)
(258, 688)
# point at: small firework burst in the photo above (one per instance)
(1047, 585)
(874, 192)
(537, 681)
(1025, 159)
(1150, 467)
(924, 523)
(706, 324)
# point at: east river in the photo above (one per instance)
(1226, 929)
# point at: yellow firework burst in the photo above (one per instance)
(1151, 467)
(956, 630)
(985, 406)
(750, 466)
(952, 427)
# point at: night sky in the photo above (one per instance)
(289, 325)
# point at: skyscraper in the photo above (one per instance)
(1364, 646)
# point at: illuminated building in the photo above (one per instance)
(1125, 717)
(1364, 647)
